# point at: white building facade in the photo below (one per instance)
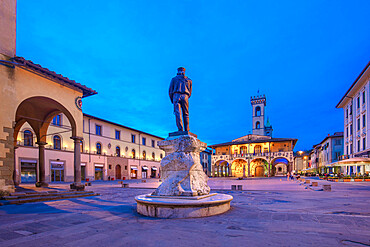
(108, 151)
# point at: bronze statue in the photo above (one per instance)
(180, 92)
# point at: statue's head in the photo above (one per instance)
(181, 71)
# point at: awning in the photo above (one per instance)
(83, 164)
(145, 168)
(28, 161)
(134, 168)
(99, 165)
(154, 168)
(351, 162)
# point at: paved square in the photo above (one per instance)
(269, 212)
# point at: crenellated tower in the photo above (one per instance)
(258, 114)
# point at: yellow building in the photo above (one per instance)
(254, 155)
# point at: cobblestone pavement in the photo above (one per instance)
(270, 213)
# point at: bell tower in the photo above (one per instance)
(258, 114)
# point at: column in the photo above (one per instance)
(77, 163)
(41, 175)
(249, 168)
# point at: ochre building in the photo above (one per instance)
(254, 155)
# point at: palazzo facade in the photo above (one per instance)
(254, 155)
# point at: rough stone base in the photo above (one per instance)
(182, 208)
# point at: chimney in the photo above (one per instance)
(7, 27)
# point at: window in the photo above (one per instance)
(133, 153)
(358, 102)
(82, 146)
(337, 142)
(143, 141)
(110, 167)
(363, 97)
(358, 124)
(125, 167)
(144, 155)
(153, 143)
(351, 128)
(28, 138)
(57, 142)
(56, 120)
(358, 146)
(161, 156)
(350, 110)
(258, 111)
(153, 155)
(364, 143)
(257, 149)
(98, 130)
(265, 150)
(363, 120)
(242, 150)
(347, 113)
(257, 125)
(347, 132)
(347, 150)
(98, 148)
(337, 154)
(118, 151)
(118, 135)
(351, 149)
(83, 125)
(133, 138)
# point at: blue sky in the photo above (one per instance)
(303, 55)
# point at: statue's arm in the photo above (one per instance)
(190, 87)
(170, 91)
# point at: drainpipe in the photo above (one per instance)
(89, 146)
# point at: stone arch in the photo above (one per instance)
(237, 167)
(222, 169)
(38, 112)
(256, 166)
(279, 166)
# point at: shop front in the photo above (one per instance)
(28, 171)
(153, 172)
(57, 171)
(99, 171)
(133, 172)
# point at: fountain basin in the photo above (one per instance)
(181, 206)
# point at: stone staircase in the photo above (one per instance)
(40, 196)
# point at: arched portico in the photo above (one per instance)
(239, 168)
(259, 167)
(222, 169)
(280, 166)
(38, 112)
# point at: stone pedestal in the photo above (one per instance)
(181, 170)
(184, 191)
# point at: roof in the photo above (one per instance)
(353, 84)
(58, 78)
(336, 134)
(254, 141)
(120, 125)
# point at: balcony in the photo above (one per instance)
(270, 155)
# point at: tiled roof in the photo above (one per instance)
(254, 141)
(58, 78)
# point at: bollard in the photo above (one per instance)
(120, 182)
(233, 187)
(315, 184)
(307, 181)
(326, 187)
(125, 186)
(143, 181)
(240, 187)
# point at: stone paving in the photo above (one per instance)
(269, 212)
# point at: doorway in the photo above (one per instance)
(28, 171)
(118, 172)
(57, 171)
(260, 171)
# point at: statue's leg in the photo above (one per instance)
(177, 111)
(185, 111)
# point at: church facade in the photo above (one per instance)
(257, 154)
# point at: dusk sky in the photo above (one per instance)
(303, 55)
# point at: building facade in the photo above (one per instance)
(205, 160)
(254, 155)
(108, 151)
(327, 152)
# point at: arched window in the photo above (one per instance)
(258, 111)
(57, 142)
(28, 138)
(82, 146)
(133, 153)
(258, 125)
(144, 155)
(118, 151)
(98, 148)
(242, 150)
(161, 156)
(257, 149)
(153, 156)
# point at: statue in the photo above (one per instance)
(180, 92)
